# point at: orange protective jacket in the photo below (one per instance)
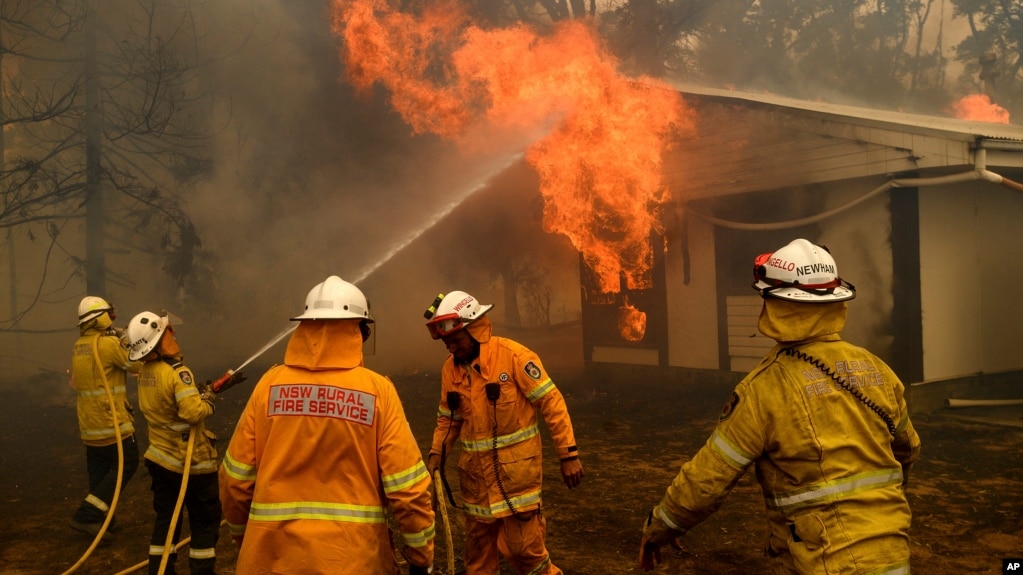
(99, 348)
(832, 474)
(322, 451)
(524, 387)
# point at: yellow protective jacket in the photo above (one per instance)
(171, 402)
(832, 474)
(524, 387)
(321, 452)
(97, 347)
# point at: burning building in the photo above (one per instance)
(920, 212)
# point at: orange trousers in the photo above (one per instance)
(520, 542)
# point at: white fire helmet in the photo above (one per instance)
(144, 333)
(334, 298)
(450, 313)
(803, 272)
(92, 307)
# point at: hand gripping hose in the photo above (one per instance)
(120, 459)
(444, 519)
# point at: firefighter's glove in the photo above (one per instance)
(417, 570)
(236, 378)
(208, 396)
(655, 534)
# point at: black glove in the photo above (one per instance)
(236, 378)
(417, 570)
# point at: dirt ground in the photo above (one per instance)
(966, 492)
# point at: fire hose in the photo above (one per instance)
(444, 519)
(120, 459)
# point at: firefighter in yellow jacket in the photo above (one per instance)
(99, 368)
(491, 389)
(176, 410)
(322, 452)
(824, 423)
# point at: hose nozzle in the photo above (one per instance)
(223, 380)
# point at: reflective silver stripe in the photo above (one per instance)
(317, 510)
(422, 538)
(543, 565)
(666, 519)
(103, 432)
(236, 530)
(502, 440)
(540, 391)
(897, 569)
(190, 391)
(238, 470)
(441, 412)
(158, 550)
(501, 506)
(902, 423)
(194, 553)
(97, 503)
(835, 490)
(732, 455)
(119, 389)
(175, 464)
(403, 479)
(179, 427)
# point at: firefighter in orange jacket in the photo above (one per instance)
(825, 424)
(99, 368)
(322, 451)
(176, 410)
(491, 388)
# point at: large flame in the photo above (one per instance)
(631, 322)
(980, 108)
(597, 136)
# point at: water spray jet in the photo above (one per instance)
(507, 162)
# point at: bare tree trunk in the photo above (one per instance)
(511, 298)
(3, 165)
(95, 262)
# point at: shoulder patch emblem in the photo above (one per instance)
(729, 407)
(186, 376)
(533, 370)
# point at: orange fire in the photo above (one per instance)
(597, 136)
(980, 108)
(631, 322)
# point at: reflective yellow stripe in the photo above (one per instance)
(238, 470)
(540, 391)
(317, 510)
(103, 432)
(441, 412)
(401, 480)
(420, 539)
(902, 423)
(186, 393)
(119, 389)
(543, 565)
(731, 453)
(236, 530)
(835, 490)
(897, 569)
(178, 465)
(502, 440)
(501, 506)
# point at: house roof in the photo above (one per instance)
(753, 142)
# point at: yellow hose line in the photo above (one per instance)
(169, 542)
(120, 459)
(444, 519)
